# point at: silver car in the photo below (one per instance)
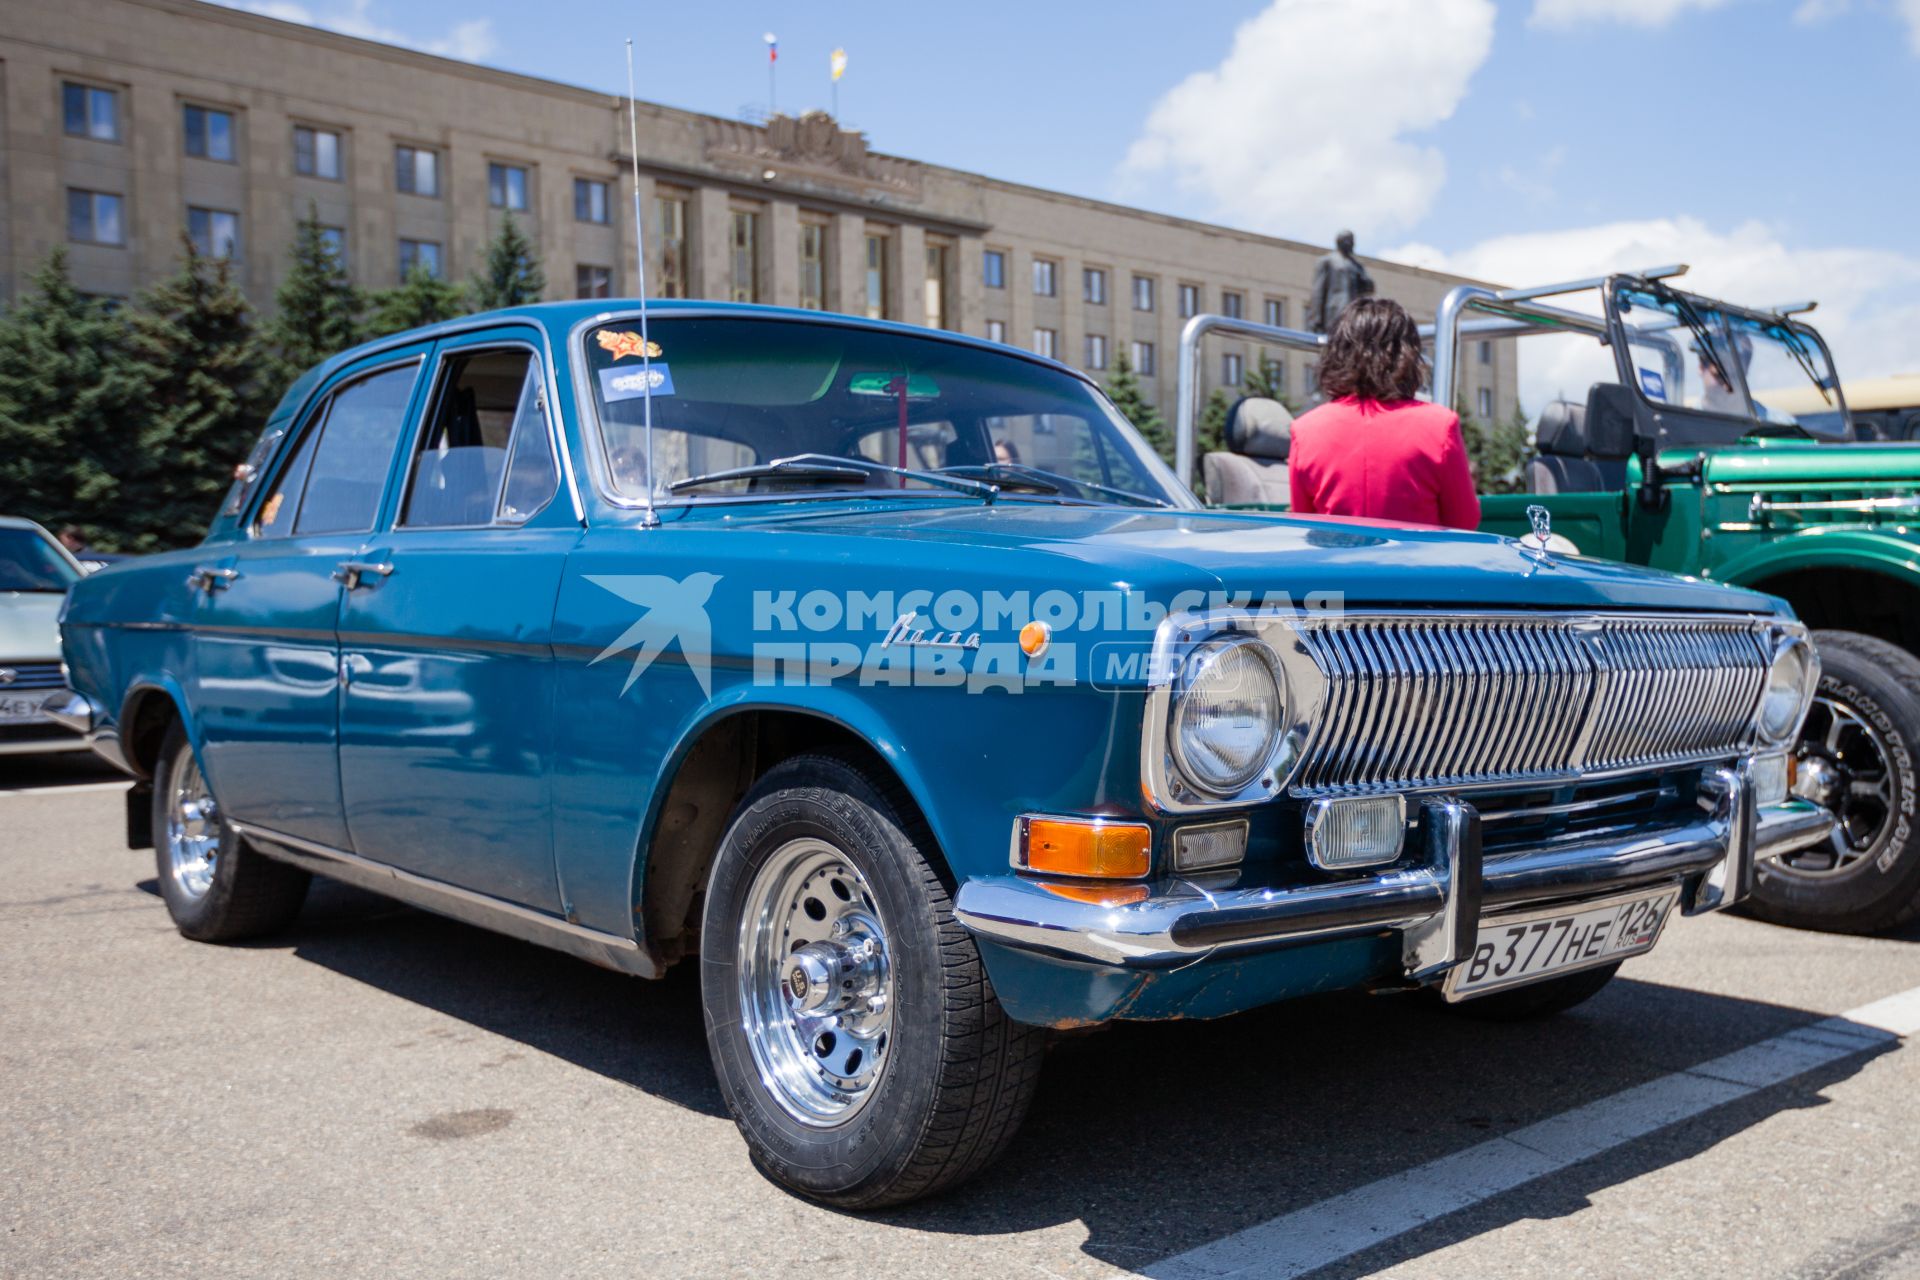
(35, 572)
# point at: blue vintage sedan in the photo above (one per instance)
(890, 673)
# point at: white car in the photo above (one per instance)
(35, 572)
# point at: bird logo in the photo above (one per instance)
(675, 610)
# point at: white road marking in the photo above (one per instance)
(77, 789)
(1324, 1233)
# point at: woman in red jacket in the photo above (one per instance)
(1373, 450)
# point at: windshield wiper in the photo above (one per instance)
(827, 468)
(1791, 341)
(1698, 325)
(1043, 481)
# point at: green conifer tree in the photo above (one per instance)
(193, 367)
(64, 427)
(1264, 379)
(512, 276)
(1123, 388)
(421, 298)
(318, 310)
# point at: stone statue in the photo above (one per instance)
(1338, 279)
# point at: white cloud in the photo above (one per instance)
(1811, 12)
(469, 41)
(1303, 127)
(1636, 13)
(1869, 298)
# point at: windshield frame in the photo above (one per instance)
(1715, 312)
(61, 556)
(599, 465)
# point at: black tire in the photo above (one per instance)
(248, 894)
(958, 1074)
(1537, 999)
(1878, 887)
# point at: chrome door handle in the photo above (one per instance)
(209, 579)
(351, 572)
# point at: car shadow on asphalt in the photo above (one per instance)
(1156, 1137)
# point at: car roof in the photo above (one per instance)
(560, 317)
(21, 522)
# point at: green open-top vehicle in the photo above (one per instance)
(1714, 441)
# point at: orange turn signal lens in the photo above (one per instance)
(1034, 638)
(1100, 895)
(1090, 847)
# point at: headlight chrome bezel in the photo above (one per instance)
(1789, 644)
(1206, 657)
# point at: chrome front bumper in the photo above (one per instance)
(66, 709)
(1435, 908)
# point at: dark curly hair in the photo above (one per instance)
(1373, 353)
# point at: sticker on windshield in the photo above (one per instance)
(625, 342)
(1653, 384)
(631, 383)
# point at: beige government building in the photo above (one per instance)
(126, 121)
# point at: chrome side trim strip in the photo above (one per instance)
(609, 951)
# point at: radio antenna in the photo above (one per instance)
(640, 270)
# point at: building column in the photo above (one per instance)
(847, 265)
(911, 249)
(780, 260)
(710, 220)
(968, 310)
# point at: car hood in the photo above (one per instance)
(1368, 562)
(29, 626)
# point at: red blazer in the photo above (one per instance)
(1403, 461)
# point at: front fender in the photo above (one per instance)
(1826, 548)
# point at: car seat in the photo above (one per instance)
(1253, 468)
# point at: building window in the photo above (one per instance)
(1044, 341)
(877, 281)
(335, 238)
(90, 112)
(1233, 305)
(673, 247)
(589, 200)
(1277, 312)
(1189, 301)
(1232, 369)
(939, 266)
(994, 269)
(1485, 401)
(592, 282)
(1143, 359)
(416, 171)
(1096, 351)
(745, 241)
(424, 254)
(996, 331)
(813, 266)
(316, 152)
(1143, 293)
(1276, 371)
(94, 217)
(1486, 353)
(1093, 286)
(507, 186)
(209, 133)
(215, 232)
(1045, 277)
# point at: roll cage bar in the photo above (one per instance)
(1499, 313)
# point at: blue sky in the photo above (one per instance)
(1769, 142)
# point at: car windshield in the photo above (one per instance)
(738, 394)
(1685, 351)
(29, 561)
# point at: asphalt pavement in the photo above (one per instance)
(380, 1092)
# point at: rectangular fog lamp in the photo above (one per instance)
(1768, 775)
(1206, 846)
(1355, 831)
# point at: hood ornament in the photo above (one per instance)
(1542, 521)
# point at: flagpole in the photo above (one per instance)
(773, 62)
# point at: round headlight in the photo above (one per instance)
(1227, 716)
(1781, 705)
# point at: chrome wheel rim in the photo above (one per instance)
(1844, 764)
(193, 829)
(816, 983)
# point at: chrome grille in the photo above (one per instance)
(30, 675)
(1412, 702)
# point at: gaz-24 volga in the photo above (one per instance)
(891, 675)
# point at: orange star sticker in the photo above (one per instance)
(626, 343)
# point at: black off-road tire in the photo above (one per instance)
(959, 1074)
(1881, 683)
(1538, 999)
(250, 895)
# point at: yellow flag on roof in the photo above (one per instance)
(839, 63)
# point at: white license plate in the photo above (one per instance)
(24, 708)
(1526, 946)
